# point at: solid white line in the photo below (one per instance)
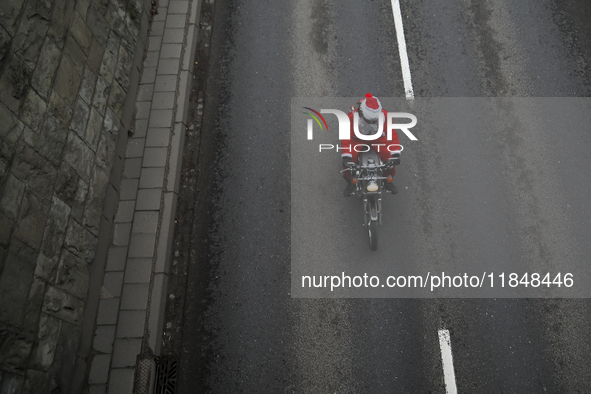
(402, 50)
(448, 362)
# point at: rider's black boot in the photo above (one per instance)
(349, 189)
(391, 187)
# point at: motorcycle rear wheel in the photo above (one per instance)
(373, 234)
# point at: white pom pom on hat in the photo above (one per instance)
(370, 107)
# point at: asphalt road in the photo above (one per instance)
(502, 197)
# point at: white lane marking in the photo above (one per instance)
(448, 362)
(402, 50)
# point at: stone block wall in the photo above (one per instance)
(69, 71)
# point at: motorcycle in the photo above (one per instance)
(368, 180)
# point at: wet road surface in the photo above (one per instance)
(231, 321)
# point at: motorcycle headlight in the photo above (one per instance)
(372, 186)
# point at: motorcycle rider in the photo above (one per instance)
(369, 110)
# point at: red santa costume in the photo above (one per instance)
(369, 110)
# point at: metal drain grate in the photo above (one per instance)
(165, 382)
(145, 371)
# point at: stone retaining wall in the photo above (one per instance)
(69, 71)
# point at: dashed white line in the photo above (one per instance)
(448, 362)
(402, 50)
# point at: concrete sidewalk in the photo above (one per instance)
(128, 331)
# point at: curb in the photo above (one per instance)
(129, 324)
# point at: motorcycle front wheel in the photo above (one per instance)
(373, 234)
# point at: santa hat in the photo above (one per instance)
(371, 107)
